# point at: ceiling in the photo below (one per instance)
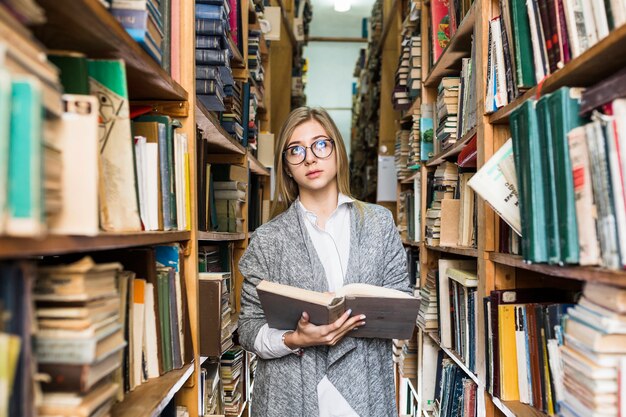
(328, 22)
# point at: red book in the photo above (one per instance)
(440, 27)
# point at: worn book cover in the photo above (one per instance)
(390, 314)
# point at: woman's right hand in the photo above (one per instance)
(308, 334)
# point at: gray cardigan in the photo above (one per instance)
(361, 369)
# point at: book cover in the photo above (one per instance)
(391, 314)
(119, 209)
(440, 27)
(79, 214)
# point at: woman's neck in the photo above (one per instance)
(321, 202)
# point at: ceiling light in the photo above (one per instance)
(342, 5)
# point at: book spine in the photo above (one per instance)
(164, 169)
(208, 42)
(206, 87)
(563, 32)
(212, 57)
(209, 11)
(210, 27)
(131, 19)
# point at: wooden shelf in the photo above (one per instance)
(409, 179)
(412, 243)
(581, 273)
(256, 167)
(452, 355)
(453, 150)
(11, 247)
(219, 140)
(516, 408)
(237, 59)
(150, 398)
(469, 252)
(592, 66)
(89, 28)
(220, 236)
(449, 63)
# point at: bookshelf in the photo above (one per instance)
(89, 28)
(496, 270)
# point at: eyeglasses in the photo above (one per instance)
(321, 148)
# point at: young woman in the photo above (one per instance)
(319, 239)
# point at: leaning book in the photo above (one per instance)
(390, 314)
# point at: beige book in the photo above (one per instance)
(449, 235)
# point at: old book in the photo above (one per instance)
(449, 234)
(119, 210)
(79, 212)
(390, 314)
(79, 405)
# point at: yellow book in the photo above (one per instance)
(187, 193)
(509, 389)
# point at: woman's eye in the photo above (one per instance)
(296, 150)
(321, 145)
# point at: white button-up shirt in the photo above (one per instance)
(332, 245)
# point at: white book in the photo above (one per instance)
(137, 329)
(618, 9)
(492, 184)
(536, 37)
(140, 162)
(430, 352)
(616, 164)
(152, 185)
(178, 171)
(150, 341)
(590, 23)
(522, 364)
(576, 30)
(445, 327)
(500, 75)
(600, 18)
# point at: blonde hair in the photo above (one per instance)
(286, 187)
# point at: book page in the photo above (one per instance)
(367, 290)
(300, 293)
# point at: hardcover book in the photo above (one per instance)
(390, 314)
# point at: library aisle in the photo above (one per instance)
(137, 149)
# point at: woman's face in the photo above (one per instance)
(313, 173)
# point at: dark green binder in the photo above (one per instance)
(564, 107)
(525, 134)
(549, 183)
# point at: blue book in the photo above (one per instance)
(168, 256)
(210, 11)
(25, 188)
(427, 134)
(5, 117)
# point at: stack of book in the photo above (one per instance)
(530, 42)
(80, 342)
(143, 21)
(414, 81)
(400, 98)
(213, 71)
(467, 212)
(447, 112)
(216, 289)
(402, 152)
(594, 354)
(414, 159)
(233, 379)
(211, 396)
(443, 185)
(230, 191)
(405, 201)
(559, 185)
(254, 55)
(428, 317)
(232, 118)
(408, 359)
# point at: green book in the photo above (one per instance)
(564, 108)
(164, 317)
(5, 131)
(119, 209)
(550, 183)
(169, 176)
(523, 45)
(525, 132)
(25, 187)
(74, 71)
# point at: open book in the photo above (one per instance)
(390, 314)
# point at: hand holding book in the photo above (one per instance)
(308, 334)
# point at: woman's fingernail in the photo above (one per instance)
(362, 316)
(349, 311)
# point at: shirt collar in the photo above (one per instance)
(342, 199)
